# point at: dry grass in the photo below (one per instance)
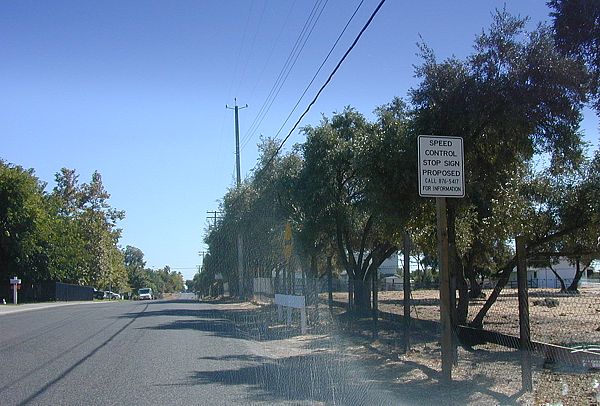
(575, 321)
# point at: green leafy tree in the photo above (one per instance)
(134, 262)
(567, 208)
(25, 226)
(514, 98)
(346, 175)
(258, 210)
(577, 34)
(87, 251)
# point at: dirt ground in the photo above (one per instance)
(575, 320)
(571, 320)
(489, 375)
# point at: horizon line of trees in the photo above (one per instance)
(350, 190)
(68, 234)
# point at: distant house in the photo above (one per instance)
(543, 277)
(389, 267)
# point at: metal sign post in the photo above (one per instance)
(15, 282)
(441, 175)
(445, 310)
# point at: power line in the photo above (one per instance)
(314, 100)
(241, 47)
(251, 47)
(317, 72)
(291, 60)
(273, 46)
(287, 74)
(214, 217)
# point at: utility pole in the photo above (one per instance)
(236, 108)
(214, 216)
(240, 246)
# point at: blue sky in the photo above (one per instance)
(137, 90)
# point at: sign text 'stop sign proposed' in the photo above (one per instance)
(441, 166)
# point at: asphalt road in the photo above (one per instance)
(161, 353)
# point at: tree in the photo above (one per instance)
(69, 235)
(577, 35)
(25, 225)
(568, 203)
(346, 181)
(134, 262)
(515, 97)
(87, 250)
(555, 220)
(258, 210)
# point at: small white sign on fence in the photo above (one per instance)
(293, 302)
(297, 302)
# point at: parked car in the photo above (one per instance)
(100, 294)
(145, 294)
(114, 295)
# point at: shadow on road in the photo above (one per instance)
(311, 378)
(259, 324)
(330, 378)
(345, 366)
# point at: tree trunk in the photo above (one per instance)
(350, 294)
(362, 295)
(329, 281)
(502, 280)
(375, 291)
(573, 288)
(462, 311)
(563, 287)
(314, 266)
(474, 286)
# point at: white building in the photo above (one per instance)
(389, 267)
(543, 277)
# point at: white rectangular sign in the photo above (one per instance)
(441, 166)
(294, 301)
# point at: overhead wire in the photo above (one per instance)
(318, 70)
(251, 47)
(287, 73)
(291, 59)
(280, 80)
(272, 47)
(281, 72)
(235, 74)
(337, 67)
(239, 52)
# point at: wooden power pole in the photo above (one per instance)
(240, 246)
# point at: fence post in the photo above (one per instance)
(350, 293)
(329, 281)
(406, 288)
(524, 329)
(374, 281)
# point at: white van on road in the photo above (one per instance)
(145, 294)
